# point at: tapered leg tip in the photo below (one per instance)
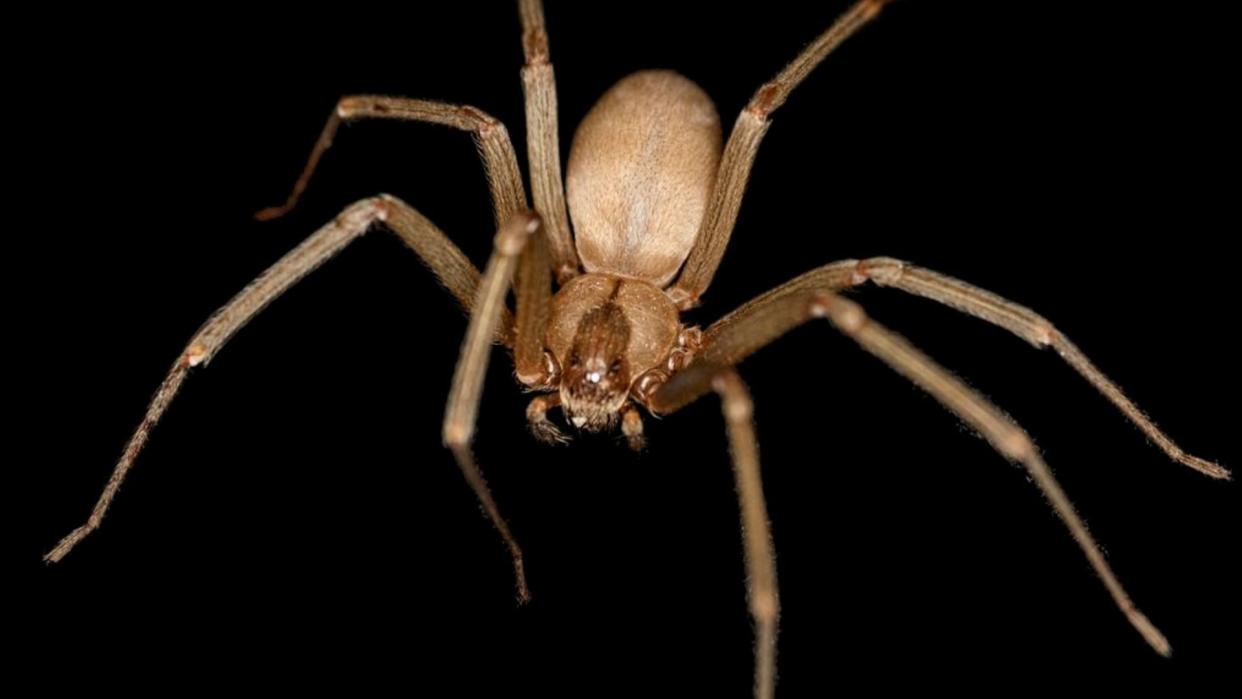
(1150, 633)
(1206, 467)
(271, 212)
(519, 578)
(66, 545)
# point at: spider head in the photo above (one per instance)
(596, 375)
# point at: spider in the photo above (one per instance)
(611, 342)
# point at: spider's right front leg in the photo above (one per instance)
(455, 272)
(510, 248)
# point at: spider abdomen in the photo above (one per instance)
(640, 173)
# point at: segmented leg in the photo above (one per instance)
(533, 290)
(491, 137)
(437, 252)
(761, 589)
(467, 390)
(1005, 436)
(740, 150)
(1030, 326)
(542, 140)
(767, 317)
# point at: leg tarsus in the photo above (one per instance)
(155, 410)
(465, 460)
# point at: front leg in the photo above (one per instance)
(463, 403)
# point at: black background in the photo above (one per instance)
(295, 520)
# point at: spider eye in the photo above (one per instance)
(616, 366)
(575, 361)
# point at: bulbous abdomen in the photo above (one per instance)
(641, 169)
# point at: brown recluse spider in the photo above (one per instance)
(653, 192)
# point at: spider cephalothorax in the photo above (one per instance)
(606, 334)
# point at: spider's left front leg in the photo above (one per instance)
(812, 296)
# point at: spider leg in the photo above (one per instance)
(542, 141)
(490, 136)
(436, 251)
(1009, 439)
(743, 144)
(765, 318)
(1030, 326)
(761, 588)
(463, 402)
(533, 291)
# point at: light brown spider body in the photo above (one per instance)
(640, 174)
(653, 197)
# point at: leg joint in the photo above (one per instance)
(735, 398)
(479, 120)
(767, 99)
(1015, 444)
(355, 105)
(456, 435)
(884, 271)
(764, 606)
(848, 316)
